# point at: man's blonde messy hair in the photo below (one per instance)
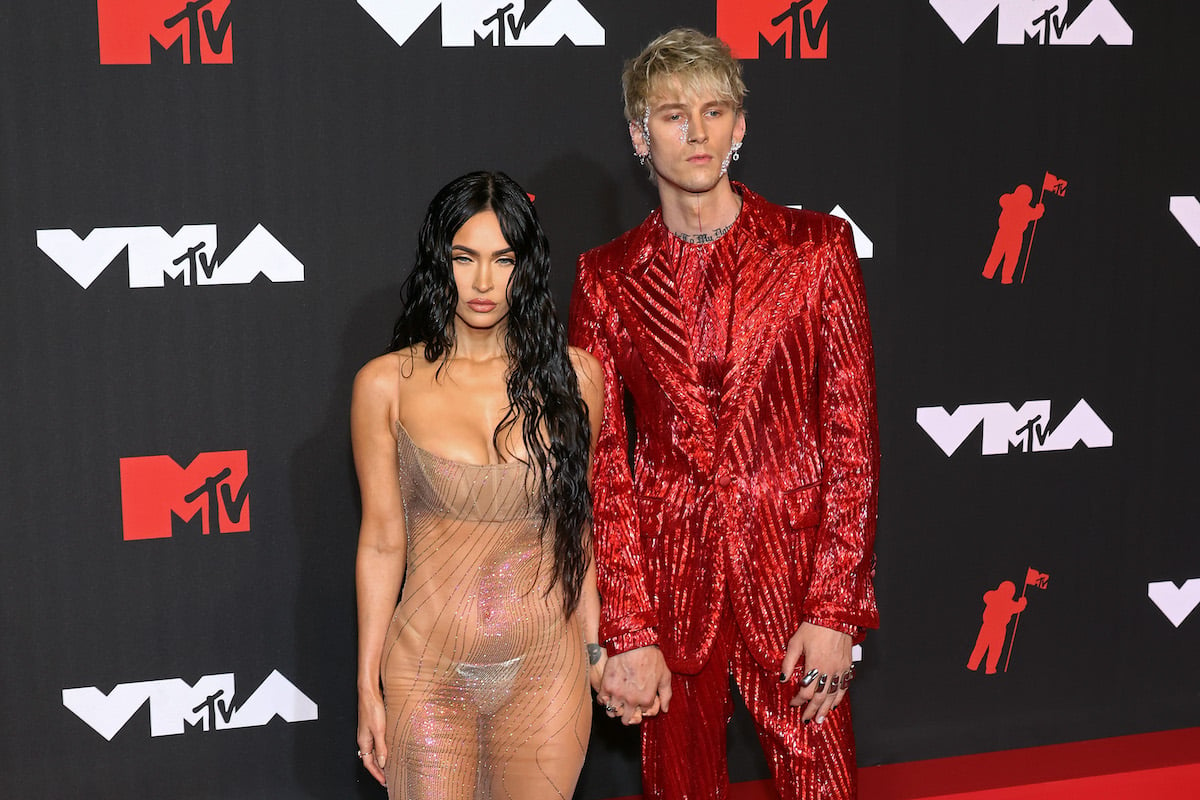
(699, 62)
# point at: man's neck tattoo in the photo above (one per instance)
(702, 238)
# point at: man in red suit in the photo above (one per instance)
(741, 543)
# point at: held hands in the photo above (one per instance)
(828, 668)
(636, 684)
(371, 722)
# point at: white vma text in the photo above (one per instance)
(1186, 211)
(189, 256)
(1175, 602)
(176, 706)
(502, 24)
(1037, 21)
(1007, 429)
(863, 246)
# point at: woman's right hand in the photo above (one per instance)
(372, 719)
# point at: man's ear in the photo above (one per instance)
(638, 137)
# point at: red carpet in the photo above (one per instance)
(1163, 766)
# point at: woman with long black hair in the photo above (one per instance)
(471, 440)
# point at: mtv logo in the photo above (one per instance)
(510, 24)
(127, 28)
(154, 255)
(1026, 429)
(745, 25)
(176, 706)
(155, 489)
(1041, 21)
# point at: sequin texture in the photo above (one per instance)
(484, 680)
(753, 490)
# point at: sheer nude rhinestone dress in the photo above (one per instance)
(484, 680)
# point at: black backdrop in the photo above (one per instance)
(314, 123)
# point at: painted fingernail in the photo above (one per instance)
(820, 720)
(782, 678)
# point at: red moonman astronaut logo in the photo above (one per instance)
(748, 26)
(127, 28)
(1015, 216)
(1000, 606)
(155, 491)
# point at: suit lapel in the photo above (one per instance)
(649, 300)
(767, 287)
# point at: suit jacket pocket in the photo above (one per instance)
(802, 506)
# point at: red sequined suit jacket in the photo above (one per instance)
(772, 498)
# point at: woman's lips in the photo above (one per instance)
(482, 306)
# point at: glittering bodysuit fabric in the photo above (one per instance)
(484, 679)
(750, 508)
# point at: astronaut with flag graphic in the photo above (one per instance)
(1000, 607)
(1015, 216)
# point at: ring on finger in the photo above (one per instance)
(822, 681)
(809, 677)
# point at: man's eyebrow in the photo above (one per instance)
(681, 104)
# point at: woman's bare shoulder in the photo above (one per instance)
(387, 375)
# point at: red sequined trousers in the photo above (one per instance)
(683, 751)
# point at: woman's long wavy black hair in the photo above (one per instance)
(543, 392)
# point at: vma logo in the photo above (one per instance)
(863, 245)
(1186, 211)
(795, 29)
(1007, 429)
(1175, 602)
(466, 23)
(1015, 216)
(199, 30)
(156, 491)
(176, 707)
(1000, 606)
(189, 256)
(1038, 21)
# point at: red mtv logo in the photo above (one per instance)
(127, 27)
(745, 25)
(154, 489)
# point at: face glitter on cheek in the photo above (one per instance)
(683, 132)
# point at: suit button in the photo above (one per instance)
(724, 480)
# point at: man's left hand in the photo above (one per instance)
(829, 653)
